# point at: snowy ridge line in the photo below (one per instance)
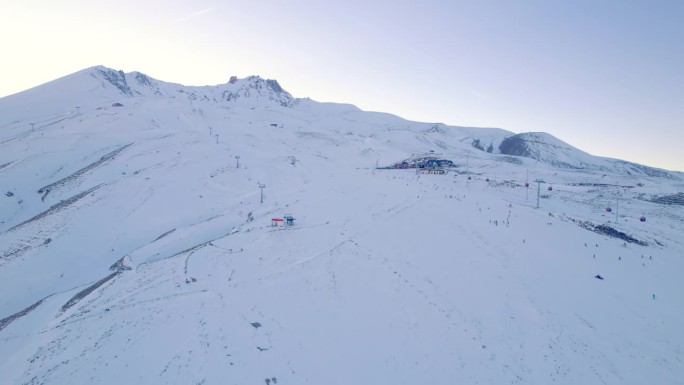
(8, 320)
(592, 184)
(105, 158)
(83, 293)
(5, 165)
(188, 250)
(606, 230)
(37, 239)
(672, 199)
(80, 316)
(133, 256)
(57, 207)
(121, 264)
(192, 249)
(163, 235)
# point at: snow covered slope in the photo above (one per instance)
(550, 150)
(135, 247)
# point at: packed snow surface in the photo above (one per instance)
(136, 249)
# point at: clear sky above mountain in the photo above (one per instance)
(603, 76)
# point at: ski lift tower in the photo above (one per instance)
(467, 167)
(617, 207)
(261, 186)
(539, 182)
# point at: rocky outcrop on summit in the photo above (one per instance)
(257, 88)
(252, 90)
(115, 78)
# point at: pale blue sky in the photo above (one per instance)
(604, 76)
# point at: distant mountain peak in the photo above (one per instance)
(251, 90)
(532, 144)
(258, 88)
(115, 78)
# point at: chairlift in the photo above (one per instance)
(550, 188)
(642, 219)
(608, 209)
(527, 184)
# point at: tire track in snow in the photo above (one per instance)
(306, 261)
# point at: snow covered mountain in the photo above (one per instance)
(137, 245)
(548, 149)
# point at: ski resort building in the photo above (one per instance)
(423, 162)
(435, 171)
